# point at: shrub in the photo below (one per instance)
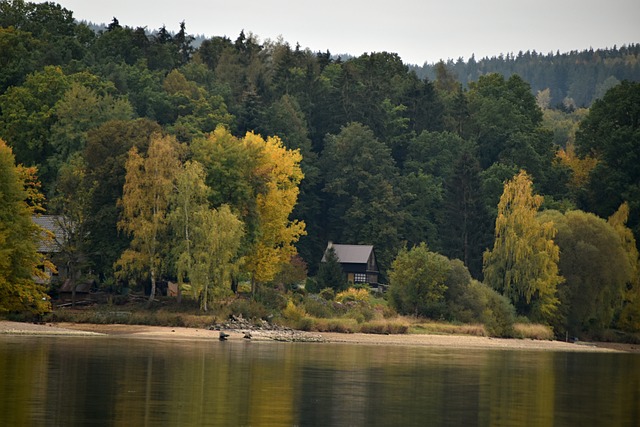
(291, 312)
(356, 295)
(499, 314)
(271, 298)
(328, 294)
(249, 309)
(318, 307)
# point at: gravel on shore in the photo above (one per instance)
(285, 334)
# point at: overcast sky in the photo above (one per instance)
(418, 30)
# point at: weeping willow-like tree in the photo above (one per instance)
(523, 264)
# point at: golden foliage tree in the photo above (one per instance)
(277, 233)
(259, 179)
(523, 264)
(19, 236)
(145, 202)
(580, 167)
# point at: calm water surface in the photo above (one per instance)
(107, 381)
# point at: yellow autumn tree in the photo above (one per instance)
(523, 264)
(19, 237)
(277, 233)
(580, 167)
(259, 179)
(147, 191)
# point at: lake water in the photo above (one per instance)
(108, 381)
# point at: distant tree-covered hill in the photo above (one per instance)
(574, 78)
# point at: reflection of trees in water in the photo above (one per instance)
(122, 382)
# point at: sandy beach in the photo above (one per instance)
(177, 333)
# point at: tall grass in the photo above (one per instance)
(151, 318)
(533, 331)
(442, 328)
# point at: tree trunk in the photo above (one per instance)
(152, 294)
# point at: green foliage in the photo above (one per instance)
(330, 274)
(19, 238)
(611, 133)
(477, 303)
(361, 196)
(327, 294)
(417, 281)
(596, 268)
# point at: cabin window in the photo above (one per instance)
(360, 278)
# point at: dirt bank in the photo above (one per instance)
(448, 341)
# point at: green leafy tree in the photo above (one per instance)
(27, 116)
(188, 200)
(417, 281)
(72, 203)
(611, 133)
(19, 238)
(506, 124)
(464, 222)
(81, 109)
(629, 318)
(105, 156)
(145, 202)
(259, 179)
(217, 237)
(596, 269)
(361, 195)
(523, 264)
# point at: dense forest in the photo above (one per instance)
(252, 155)
(574, 79)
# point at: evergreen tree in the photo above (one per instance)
(330, 274)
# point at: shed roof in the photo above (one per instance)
(351, 254)
(50, 223)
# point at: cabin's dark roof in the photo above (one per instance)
(52, 224)
(351, 254)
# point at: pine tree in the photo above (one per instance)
(330, 274)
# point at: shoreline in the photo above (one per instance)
(420, 340)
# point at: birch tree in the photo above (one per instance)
(145, 201)
(523, 264)
(217, 238)
(188, 200)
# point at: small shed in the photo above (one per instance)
(358, 262)
(49, 244)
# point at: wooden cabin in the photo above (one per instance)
(358, 262)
